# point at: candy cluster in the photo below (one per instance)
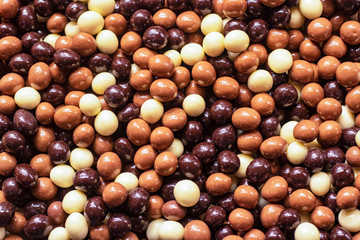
(179, 119)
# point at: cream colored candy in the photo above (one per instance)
(286, 131)
(171, 230)
(76, 226)
(280, 60)
(357, 138)
(134, 69)
(104, 7)
(107, 42)
(152, 231)
(81, 158)
(320, 183)
(236, 41)
(71, 29)
(128, 180)
(177, 148)
(192, 53)
(234, 183)
(186, 193)
(51, 38)
(151, 111)
(346, 118)
(232, 55)
(350, 219)
(74, 201)
(90, 22)
(89, 104)
(106, 123)
(260, 81)
(311, 9)
(313, 144)
(224, 22)
(62, 176)
(307, 231)
(27, 98)
(194, 105)
(296, 18)
(2, 232)
(296, 152)
(245, 160)
(298, 88)
(262, 202)
(174, 56)
(102, 81)
(58, 233)
(211, 23)
(213, 44)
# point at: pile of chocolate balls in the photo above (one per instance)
(180, 119)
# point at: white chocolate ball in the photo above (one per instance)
(102, 81)
(89, 104)
(76, 226)
(177, 147)
(296, 152)
(51, 38)
(260, 81)
(311, 9)
(171, 230)
(245, 160)
(90, 22)
(236, 41)
(213, 44)
(74, 201)
(174, 56)
(71, 29)
(151, 111)
(107, 42)
(192, 53)
(320, 183)
(62, 176)
(81, 158)
(280, 60)
(128, 180)
(211, 23)
(307, 231)
(296, 18)
(186, 193)
(287, 131)
(58, 233)
(152, 231)
(346, 118)
(194, 105)
(350, 219)
(27, 98)
(104, 7)
(106, 123)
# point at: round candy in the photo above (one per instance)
(186, 193)
(90, 22)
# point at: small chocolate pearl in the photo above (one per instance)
(342, 175)
(26, 175)
(95, 210)
(119, 224)
(258, 171)
(214, 216)
(38, 226)
(35, 207)
(86, 180)
(7, 211)
(228, 162)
